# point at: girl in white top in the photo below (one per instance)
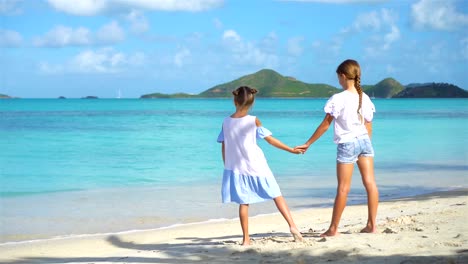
(352, 111)
(247, 178)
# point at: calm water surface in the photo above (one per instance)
(153, 163)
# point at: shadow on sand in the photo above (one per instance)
(224, 249)
(211, 250)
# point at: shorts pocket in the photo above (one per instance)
(346, 149)
(368, 149)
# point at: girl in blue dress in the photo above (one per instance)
(247, 177)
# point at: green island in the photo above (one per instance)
(269, 83)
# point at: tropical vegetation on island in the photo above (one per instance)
(272, 84)
(432, 90)
(269, 83)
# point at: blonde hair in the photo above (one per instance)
(352, 71)
(244, 96)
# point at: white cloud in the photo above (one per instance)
(138, 22)
(316, 44)
(110, 33)
(180, 56)
(255, 56)
(438, 15)
(194, 39)
(105, 60)
(94, 7)
(269, 43)
(46, 68)
(371, 20)
(217, 23)
(61, 36)
(338, 1)
(171, 5)
(231, 35)
(80, 8)
(294, 46)
(232, 40)
(391, 37)
(102, 61)
(10, 38)
(375, 31)
(10, 7)
(380, 26)
(247, 53)
(136, 59)
(464, 48)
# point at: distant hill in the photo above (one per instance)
(432, 90)
(412, 85)
(386, 88)
(4, 96)
(161, 95)
(272, 84)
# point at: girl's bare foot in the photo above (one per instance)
(369, 229)
(296, 235)
(329, 232)
(246, 242)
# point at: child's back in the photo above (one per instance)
(247, 178)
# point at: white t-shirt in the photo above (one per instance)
(343, 107)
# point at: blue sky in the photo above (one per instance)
(52, 48)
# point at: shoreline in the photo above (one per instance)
(226, 212)
(223, 212)
(428, 228)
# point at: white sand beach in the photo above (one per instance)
(424, 229)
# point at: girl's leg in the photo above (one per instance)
(284, 210)
(366, 167)
(344, 173)
(244, 220)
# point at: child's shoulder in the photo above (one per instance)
(338, 96)
(247, 117)
(366, 97)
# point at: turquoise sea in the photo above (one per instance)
(74, 166)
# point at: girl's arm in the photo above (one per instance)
(369, 128)
(321, 129)
(277, 143)
(222, 151)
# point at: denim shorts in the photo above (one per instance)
(349, 152)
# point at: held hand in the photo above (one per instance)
(297, 151)
(302, 148)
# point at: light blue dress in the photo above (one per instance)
(247, 178)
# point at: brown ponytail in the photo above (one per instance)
(352, 71)
(357, 85)
(244, 96)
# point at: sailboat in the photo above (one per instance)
(119, 94)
